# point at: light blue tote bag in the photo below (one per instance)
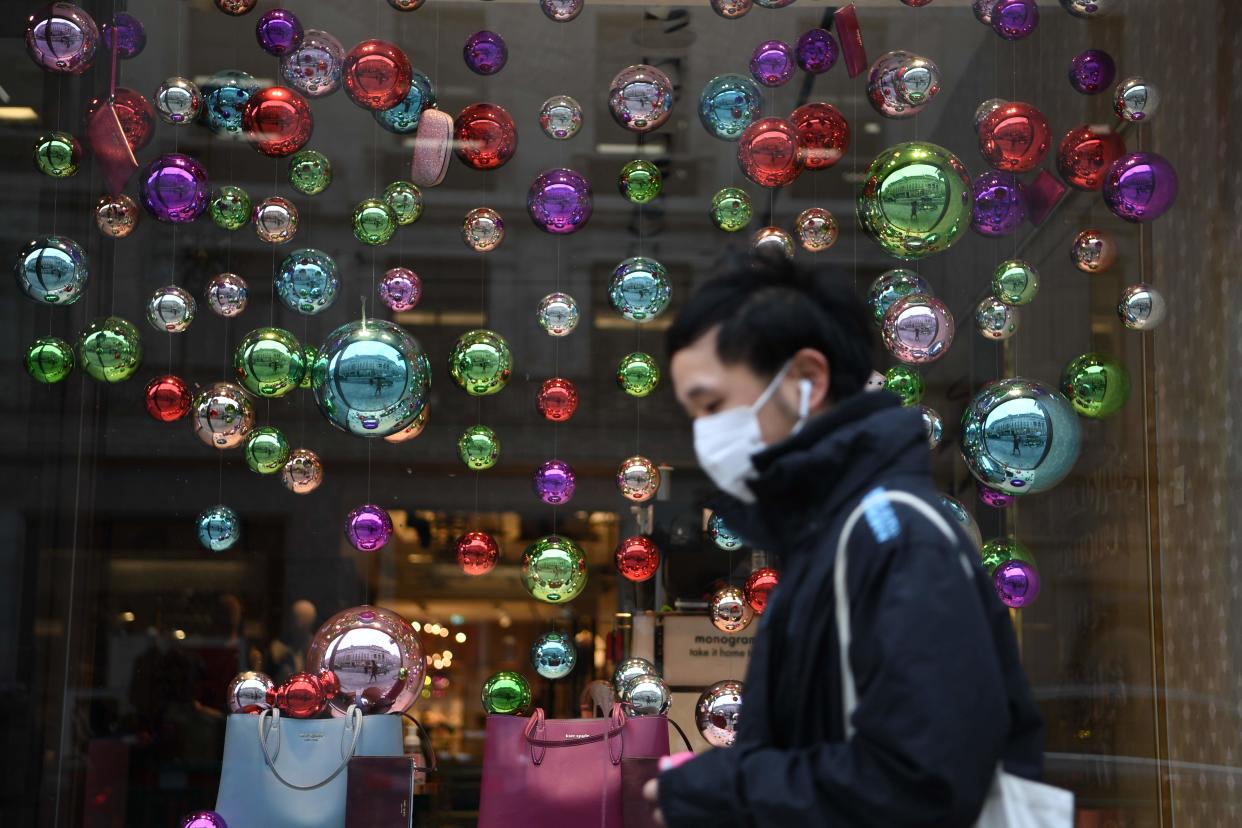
(280, 772)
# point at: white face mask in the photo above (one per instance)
(725, 443)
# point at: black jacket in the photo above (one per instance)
(942, 697)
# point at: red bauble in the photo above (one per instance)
(1014, 137)
(557, 399)
(377, 74)
(823, 132)
(770, 153)
(135, 113)
(1086, 153)
(301, 697)
(277, 121)
(167, 398)
(638, 558)
(758, 585)
(477, 553)
(484, 136)
(329, 682)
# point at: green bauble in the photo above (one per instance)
(640, 181)
(49, 359)
(310, 172)
(1015, 282)
(310, 355)
(915, 200)
(57, 154)
(406, 201)
(731, 209)
(554, 569)
(906, 383)
(110, 349)
(479, 447)
(267, 450)
(374, 222)
(270, 362)
(481, 362)
(230, 207)
(1097, 385)
(999, 550)
(638, 374)
(507, 693)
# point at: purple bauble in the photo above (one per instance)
(816, 51)
(368, 528)
(999, 203)
(204, 819)
(62, 38)
(772, 63)
(485, 52)
(279, 32)
(400, 288)
(554, 482)
(1015, 19)
(1092, 72)
(174, 188)
(1140, 186)
(991, 497)
(131, 36)
(1017, 584)
(559, 201)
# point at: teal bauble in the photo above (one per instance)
(915, 200)
(639, 289)
(307, 281)
(370, 378)
(1020, 436)
(553, 655)
(728, 104)
(218, 528)
(52, 270)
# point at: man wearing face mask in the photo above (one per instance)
(771, 366)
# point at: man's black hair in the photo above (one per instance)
(768, 309)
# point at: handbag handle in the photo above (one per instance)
(682, 734)
(539, 746)
(424, 741)
(849, 690)
(273, 714)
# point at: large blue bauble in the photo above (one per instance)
(728, 104)
(307, 281)
(370, 378)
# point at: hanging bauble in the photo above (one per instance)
(248, 691)
(481, 362)
(993, 499)
(772, 63)
(307, 281)
(559, 201)
(918, 329)
(554, 482)
(999, 203)
(1017, 584)
(646, 695)
(823, 134)
(1093, 251)
(1015, 19)
(403, 117)
(1096, 385)
(892, 285)
(637, 558)
(1141, 307)
(906, 383)
(959, 513)
(773, 243)
(302, 472)
(110, 349)
(728, 104)
(485, 53)
(816, 51)
(477, 553)
(374, 222)
(174, 188)
(1019, 436)
(731, 210)
(414, 429)
(560, 117)
(203, 819)
(269, 362)
(506, 693)
(1015, 282)
(915, 200)
(999, 550)
(227, 294)
(482, 229)
(230, 207)
(178, 101)
(52, 270)
(987, 108)
(759, 585)
(718, 711)
(279, 32)
(171, 309)
(933, 424)
(315, 67)
(774, 4)
(629, 669)
(723, 537)
(405, 200)
(377, 74)
(375, 379)
(478, 447)
(223, 415)
(57, 154)
(816, 228)
(62, 38)
(368, 528)
(236, 8)
(553, 655)
(770, 153)
(557, 399)
(1092, 72)
(637, 374)
(1090, 9)
(1140, 186)
(640, 181)
(224, 100)
(557, 314)
(49, 359)
(1014, 137)
(561, 11)
(218, 528)
(266, 450)
(639, 289)
(277, 121)
(1135, 100)
(484, 136)
(406, 5)
(554, 569)
(400, 288)
(729, 611)
(995, 319)
(901, 84)
(116, 215)
(638, 479)
(731, 9)
(1086, 153)
(376, 658)
(640, 97)
(983, 10)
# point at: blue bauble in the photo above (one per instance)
(1020, 436)
(960, 514)
(52, 270)
(370, 378)
(728, 104)
(639, 289)
(404, 117)
(721, 535)
(224, 98)
(553, 655)
(307, 281)
(218, 528)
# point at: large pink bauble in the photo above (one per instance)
(640, 97)
(377, 74)
(918, 329)
(770, 152)
(375, 656)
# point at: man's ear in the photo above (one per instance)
(810, 364)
